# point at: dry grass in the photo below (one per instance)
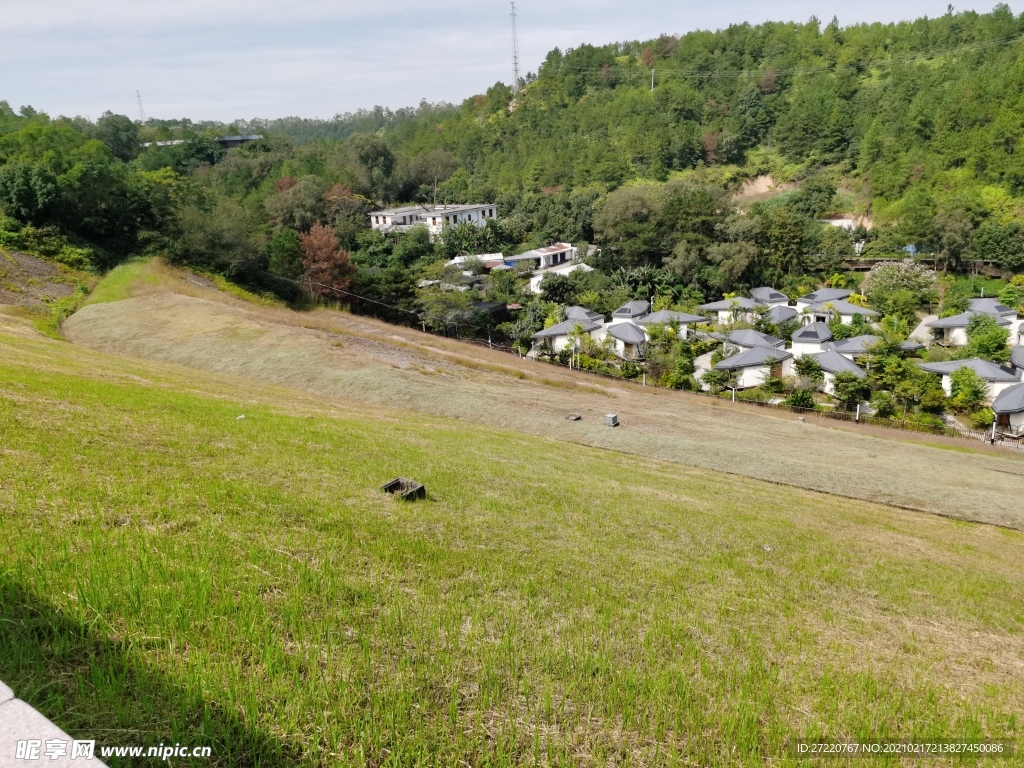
(399, 367)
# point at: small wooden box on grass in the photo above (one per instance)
(404, 488)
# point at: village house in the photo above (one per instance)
(769, 297)
(831, 363)
(746, 339)
(738, 309)
(668, 317)
(827, 311)
(952, 331)
(628, 340)
(996, 378)
(556, 338)
(435, 220)
(857, 346)
(1009, 410)
(630, 312)
(811, 339)
(582, 313)
(543, 258)
(755, 366)
(822, 295)
(780, 314)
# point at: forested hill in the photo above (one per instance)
(641, 147)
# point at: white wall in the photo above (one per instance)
(801, 348)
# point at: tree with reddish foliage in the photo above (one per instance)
(647, 57)
(327, 266)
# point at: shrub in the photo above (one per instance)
(630, 370)
(800, 398)
(884, 405)
(982, 419)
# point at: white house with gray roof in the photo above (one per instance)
(827, 311)
(780, 314)
(1009, 410)
(811, 339)
(952, 330)
(667, 317)
(755, 366)
(556, 338)
(769, 297)
(628, 340)
(832, 363)
(822, 295)
(630, 312)
(732, 310)
(434, 219)
(745, 339)
(996, 377)
(856, 346)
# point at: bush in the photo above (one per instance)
(982, 419)
(884, 405)
(800, 398)
(630, 370)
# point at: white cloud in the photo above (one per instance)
(225, 59)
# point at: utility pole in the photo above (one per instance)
(652, 79)
(515, 53)
(142, 115)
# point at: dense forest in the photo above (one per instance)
(639, 147)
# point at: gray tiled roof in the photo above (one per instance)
(985, 369)
(964, 318)
(991, 307)
(813, 333)
(910, 345)
(632, 309)
(833, 362)
(565, 327)
(750, 338)
(826, 294)
(780, 314)
(764, 295)
(842, 308)
(666, 316)
(1017, 356)
(582, 313)
(740, 302)
(753, 357)
(857, 345)
(627, 332)
(1010, 400)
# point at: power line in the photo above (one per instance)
(306, 282)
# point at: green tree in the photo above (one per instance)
(849, 390)
(967, 390)
(120, 134)
(285, 257)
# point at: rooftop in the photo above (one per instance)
(582, 313)
(857, 345)
(833, 362)
(666, 316)
(991, 307)
(825, 294)
(964, 318)
(1010, 400)
(566, 327)
(632, 309)
(842, 307)
(780, 314)
(813, 333)
(753, 357)
(739, 302)
(750, 338)
(764, 295)
(985, 369)
(628, 333)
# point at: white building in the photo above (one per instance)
(832, 363)
(435, 220)
(755, 366)
(556, 338)
(996, 378)
(561, 269)
(811, 339)
(826, 311)
(738, 309)
(546, 257)
(668, 317)
(1009, 410)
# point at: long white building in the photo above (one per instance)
(405, 217)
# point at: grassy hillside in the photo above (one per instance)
(172, 572)
(151, 310)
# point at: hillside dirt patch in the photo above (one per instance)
(359, 359)
(761, 188)
(31, 282)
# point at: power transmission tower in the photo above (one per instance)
(515, 52)
(142, 115)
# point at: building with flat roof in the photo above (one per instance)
(435, 219)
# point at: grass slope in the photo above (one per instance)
(163, 314)
(170, 572)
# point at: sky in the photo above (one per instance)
(231, 59)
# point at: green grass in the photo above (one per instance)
(170, 572)
(118, 283)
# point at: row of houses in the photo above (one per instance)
(754, 357)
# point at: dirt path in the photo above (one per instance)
(362, 360)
